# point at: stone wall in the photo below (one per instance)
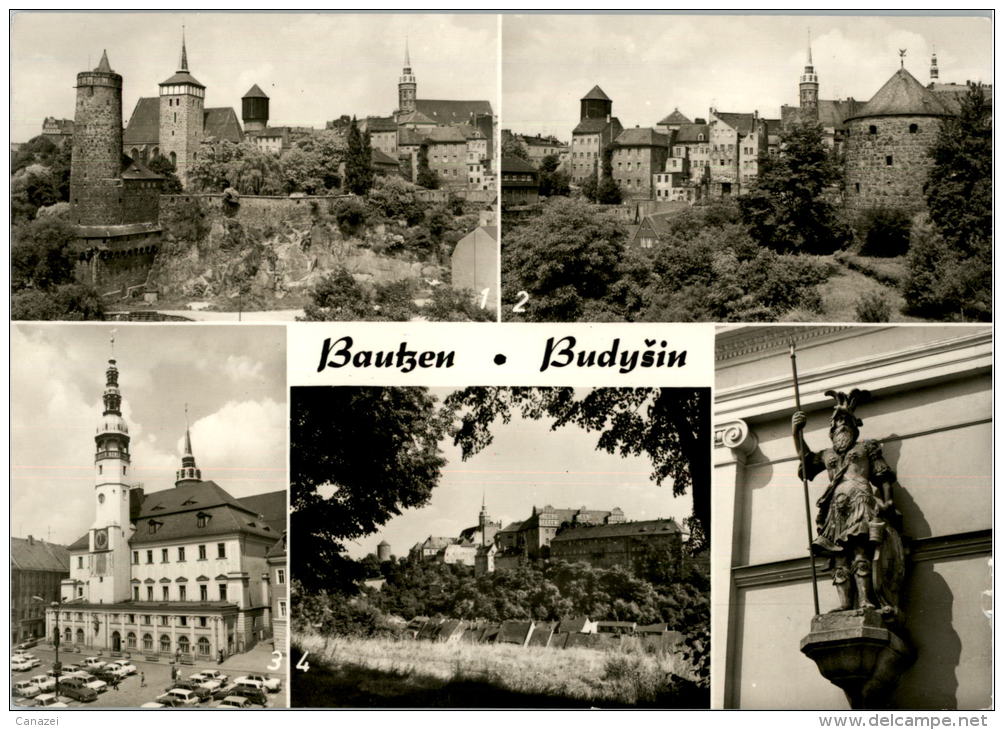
(253, 209)
(114, 265)
(887, 163)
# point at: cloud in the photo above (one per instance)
(241, 368)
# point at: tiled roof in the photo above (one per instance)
(675, 118)
(641, 137)
(951, 95)
(624, 529)
(32, 554)
(144, 124)
(517, 164)
(741, 122)
(448, 111)
(182, 77)
(596, 93)
(255, 93)
(271, 506)
(438, 543)
(379, 157)
(381, 124)
(902, 94)
(593, 126)
(415, 117)
(512, 527)
(691, 133)
(136, 170)
(443, 135)
(279, 549)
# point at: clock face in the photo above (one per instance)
(100, 539)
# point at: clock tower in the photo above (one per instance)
(107, 577)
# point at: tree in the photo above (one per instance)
(396, 199)
(608, 192)
(425, 177)
(552, 180)
(564, 258)
(786, 208)
(512, 146)
(338, 298)
(358, 161)
(359, 456)
(43, 253)
(671, 426)
(164, 167)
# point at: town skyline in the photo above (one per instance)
(314, 66)
(231, 378)
(733, 63)
(527, 464)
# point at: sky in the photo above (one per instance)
(232, 378)
(648, 65)
(527, 464)
(313, 66)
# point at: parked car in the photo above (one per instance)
(224, 691)
(49, 700)
(20, 664)
(26, 688)
(235, 702)
(211, 674)
(271, 684)
(27, 644)
(254, 694)
(44, 682)
(203, 693)
(92, 662)
(78, 692)
(178, 697)
(126, 666)
(24, 653)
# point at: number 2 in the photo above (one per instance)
(523, 299)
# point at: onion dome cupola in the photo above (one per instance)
(112, 434)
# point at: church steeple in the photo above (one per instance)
(407, 87)
(808, 87)
(934, 66)
(184, 52)
(189, 473)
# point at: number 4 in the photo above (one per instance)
(303, 665)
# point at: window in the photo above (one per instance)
(135, 593)
(202, 552)
(203, 646)
(223, 591)
(221, 547)
(164, 621)
(181, 555)
(80, 562)
(182, 594)
(857, 187)
(282, 609)
(149, 557)
(872, 129)
(888, 160)
(182, 620)
(149, 593)
(165, 643)
(201, 519)
(147, 642)
(163, 555)
(914, 129)
(203, 621)
(165, 593)
(280, 576)
(131, 640)
(203, 593)
(146, 620)
(135, 557)
(183, 645)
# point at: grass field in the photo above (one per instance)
(347, 672)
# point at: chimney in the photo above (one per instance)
(31, 540)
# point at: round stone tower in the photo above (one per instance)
(96, 155)
(887, 144)
(595, 105)
(407, 86)
(383, 551)
(254, 109)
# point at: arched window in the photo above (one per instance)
(131, 640)
(872, 129)
(165, 643)
(68, 635)
(174, 159)
(80, 636)
(184, 646)
(914, 129)
(147, 642)
(203, 646)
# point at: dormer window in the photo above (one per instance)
(202, 519)
(154, 526)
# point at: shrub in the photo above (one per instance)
(350, 214)
(884, 232)
(186, 222)
(872, 307)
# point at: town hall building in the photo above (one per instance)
(182, 572)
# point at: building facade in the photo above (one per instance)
(638, 154)
(37, 569)
(930, 410)
(520, 182)
(279, 583)
(596, 130)
(183, 571)
(618, 544)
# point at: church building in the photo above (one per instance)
(186, 571)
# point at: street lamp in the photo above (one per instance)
(56, 667)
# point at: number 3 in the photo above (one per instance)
(276, 662)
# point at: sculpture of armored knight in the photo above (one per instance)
(858, 526)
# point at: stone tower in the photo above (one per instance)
(595, 105)
(887, 144)
(96, 155)
(189, 473)
(383, 551)
(483, 522)
(808, 90)
(254, 109)
(182, 113)
(407, 87)
(108, 575)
